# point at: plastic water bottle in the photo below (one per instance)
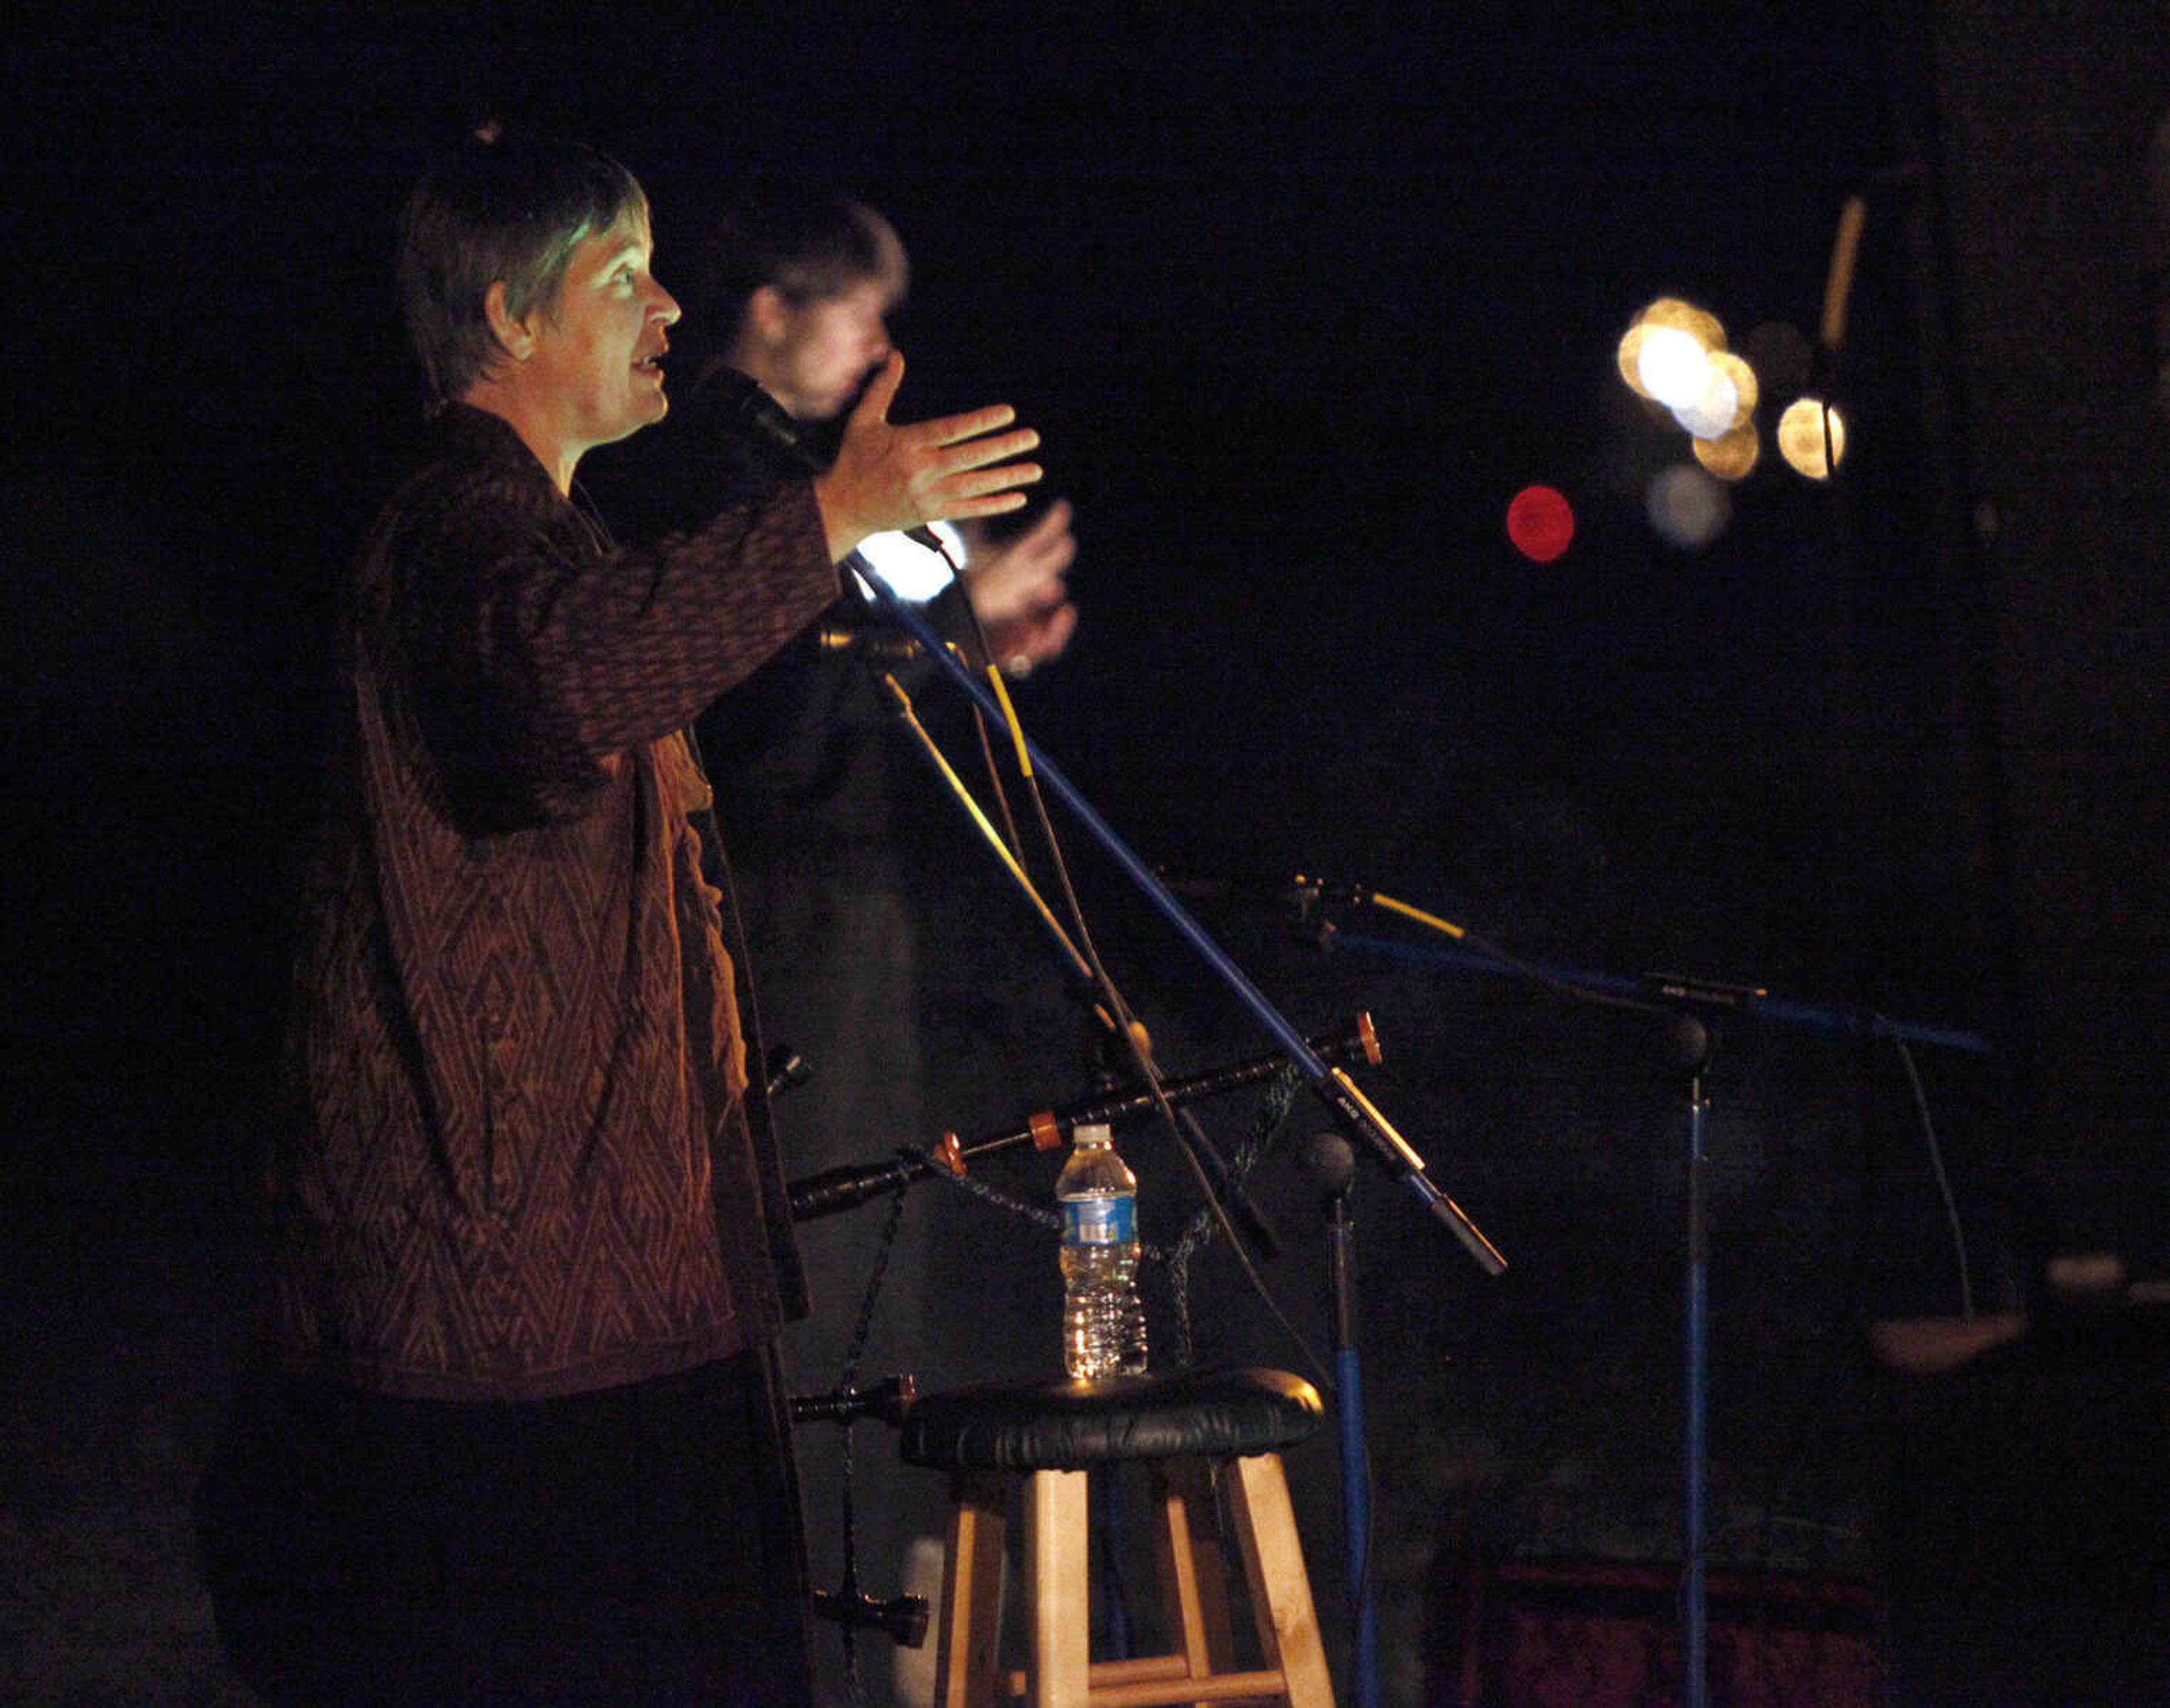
(1104, 1324)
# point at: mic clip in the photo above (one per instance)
(888, 1400)
(882, 645)
(1313, 901)
(903, 1618)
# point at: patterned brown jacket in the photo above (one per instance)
(517, 1110)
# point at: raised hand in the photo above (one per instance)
(887, 476)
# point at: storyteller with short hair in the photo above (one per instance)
(514, 1432)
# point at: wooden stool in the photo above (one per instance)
(1002, 1439)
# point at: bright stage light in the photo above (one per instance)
(1715, 406)
(1675, 354)
(1731, 456)
(912, 571)
(1683, 316)
(1803, 432)
(1747, 389)
(1672, 366)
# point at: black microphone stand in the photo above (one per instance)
(852, 1184)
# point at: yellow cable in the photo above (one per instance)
(1418, 914)
(1010, 718)
(986, 829)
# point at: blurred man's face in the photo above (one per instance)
(825, 350)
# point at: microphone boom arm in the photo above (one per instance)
(853, 1184)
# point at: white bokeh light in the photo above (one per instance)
(1673, 367)
(1687, 507)
(1812, 437)
(1715, 408)
(912, 572)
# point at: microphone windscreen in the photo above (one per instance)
(1330, 1161)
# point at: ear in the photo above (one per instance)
(516, 337)
(769, 315)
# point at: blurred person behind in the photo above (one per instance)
(792, 284)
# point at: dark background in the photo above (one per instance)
(1299, 300)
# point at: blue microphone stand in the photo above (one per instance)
(1332, 1165)
(1695, 1007)
(1689, 1043)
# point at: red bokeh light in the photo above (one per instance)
(1540, 523)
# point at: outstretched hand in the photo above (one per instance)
(888, 477)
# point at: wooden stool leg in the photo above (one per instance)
(1193, 1577)
(966, 1653)
(1058, 1672)
(1280, 1589)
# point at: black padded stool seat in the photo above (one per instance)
(1067, 1425)
(1205, 1439)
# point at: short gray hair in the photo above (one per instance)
(506, 207)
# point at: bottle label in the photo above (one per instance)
(1110, 1221)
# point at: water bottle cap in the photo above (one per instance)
(1091, 1133)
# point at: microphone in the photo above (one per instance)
(1331, 1162)
(784, 1069)
(1361, 1117)
(766, 420)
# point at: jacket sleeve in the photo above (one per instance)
(536, 650)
